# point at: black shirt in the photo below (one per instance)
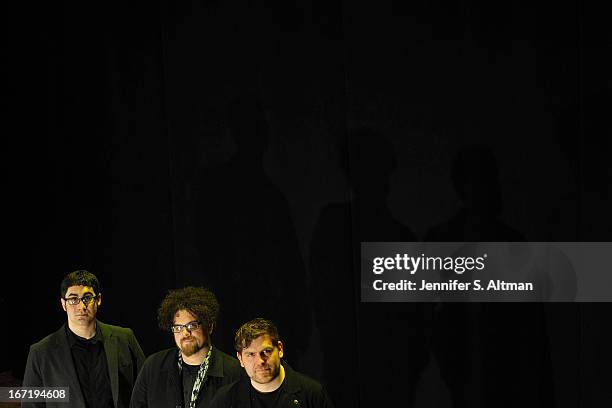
(265, 399)
(92, 369)
(190, 372)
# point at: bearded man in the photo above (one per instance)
(189, 375)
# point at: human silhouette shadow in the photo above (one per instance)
(246, 238)
(384, 342)
(484, 348)
(475, 178)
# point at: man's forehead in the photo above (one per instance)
(260, 343)
(79, 290)
(184, 316)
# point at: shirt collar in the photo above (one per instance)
(74, 339)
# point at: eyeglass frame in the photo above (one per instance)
(80, 299)
(184, 326)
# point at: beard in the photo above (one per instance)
(189, 348)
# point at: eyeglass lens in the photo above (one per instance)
(87, 299)
(177, 328)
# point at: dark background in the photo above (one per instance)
(250, 147)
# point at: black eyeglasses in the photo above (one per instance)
(191, 326)
(86, 299)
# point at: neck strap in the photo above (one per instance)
(201, 377)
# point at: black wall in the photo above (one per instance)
(250, 147)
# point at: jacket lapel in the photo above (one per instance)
(290, 389)
(67, 364)
(174, 386)
(110, 349)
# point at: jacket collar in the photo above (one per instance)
(291, 385)
(215, 367)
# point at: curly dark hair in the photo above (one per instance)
(252, 330)
(80, 278)
(198, 301)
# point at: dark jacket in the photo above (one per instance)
(50, 365)
(159, 383)
(298, 391)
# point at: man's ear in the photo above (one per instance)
(280, 349)
(239, 355)
(210, 330)
(63, 303)
(99, 299)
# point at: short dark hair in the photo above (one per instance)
(80, 277)
(252, 330)
(198, 301)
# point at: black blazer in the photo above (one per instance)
(50, 365)
(159, 384)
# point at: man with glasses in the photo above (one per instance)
(271, 383)
(98, 362)
(189, 374)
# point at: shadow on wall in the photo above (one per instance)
(246, 238)
(363, 330)
(485, 349)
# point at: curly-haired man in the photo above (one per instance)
(189, 375)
